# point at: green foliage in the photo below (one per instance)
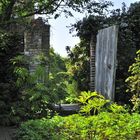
(43, 129)
(86, 96)
(61, 76)
(58, 75)
(93, 103)
(32, 88)
(72, 90)
(134, 79)
(134, 82)
(128, 44)
(57, 63)
(76, 127)
(11, 10)
(79, 56)
(58, 86)
(79, 66)
(39, 88)
(10, 46)
(112, 122)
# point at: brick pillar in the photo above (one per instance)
(37, 41)
(92, 64)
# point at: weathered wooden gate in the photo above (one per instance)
(106, 49)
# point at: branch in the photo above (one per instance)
(8, 11)
(39, 11)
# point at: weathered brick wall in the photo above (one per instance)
(37, 41)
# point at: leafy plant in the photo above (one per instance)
(71, 88)
(134, 82)
(10, 46)
(92, 102)
(39, 88)
(105, 125)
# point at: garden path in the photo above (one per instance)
(7, 133)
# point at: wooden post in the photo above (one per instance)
(106, 51)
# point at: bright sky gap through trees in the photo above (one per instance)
(60, 36)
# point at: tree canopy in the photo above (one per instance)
(11, 10)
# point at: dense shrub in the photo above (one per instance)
(92, 103)
(39, 88)
(104, 126)
(10, 46)
(112, 122)
(134, 83)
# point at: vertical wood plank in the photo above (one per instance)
(106, 50)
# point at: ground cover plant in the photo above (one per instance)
(105, 126)
(112, 123)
